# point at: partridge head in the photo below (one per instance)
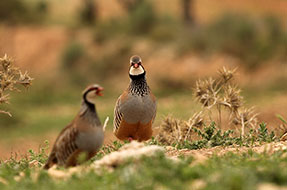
(136, 68)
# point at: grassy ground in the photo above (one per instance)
(245, 170)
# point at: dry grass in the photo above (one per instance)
(219, 97)
(222, 94)
(10, 78)
(174, 131)
(203, 154)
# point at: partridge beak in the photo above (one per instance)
(136, 65)
(98, 92)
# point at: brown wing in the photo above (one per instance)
(64, 147)
(117, 116)
(154, 101)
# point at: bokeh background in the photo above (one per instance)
(66, 45)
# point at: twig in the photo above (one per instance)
(106, 123)
(242, 125)
(5, 112)
(219, 115)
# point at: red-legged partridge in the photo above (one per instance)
(135, 109)
(84, 135)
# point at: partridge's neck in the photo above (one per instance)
(138, 85)
(90, 113)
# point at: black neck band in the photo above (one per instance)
(90, 105)
(138, 77)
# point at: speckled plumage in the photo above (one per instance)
(84, 135)
(135, 109)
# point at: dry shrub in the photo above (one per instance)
(222, 94)
(216, 96)
(10, 78)
(174, 131)
(171, 131)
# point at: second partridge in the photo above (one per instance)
(84, 135)
(135, 109)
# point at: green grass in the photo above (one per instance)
(231, 171)
(211, 136)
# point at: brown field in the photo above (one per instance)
(38, 49)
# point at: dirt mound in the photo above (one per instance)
(205, 153)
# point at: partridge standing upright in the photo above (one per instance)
(135, 109)
(84, 135)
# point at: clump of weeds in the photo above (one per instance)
(204, 128)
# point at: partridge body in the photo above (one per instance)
(135, 109)
(84, 135)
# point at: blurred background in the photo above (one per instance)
(66, 45)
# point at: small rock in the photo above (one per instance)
(3, 181)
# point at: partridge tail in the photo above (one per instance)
(52, 160)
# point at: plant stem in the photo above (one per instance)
(242, 126)
(219, 115)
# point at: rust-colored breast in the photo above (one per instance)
(137, 131)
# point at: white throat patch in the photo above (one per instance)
(91, 96)
(136, 71)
